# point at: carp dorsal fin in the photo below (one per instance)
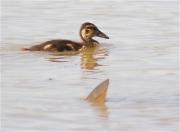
(98, 95)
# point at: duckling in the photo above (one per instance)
(87, 32)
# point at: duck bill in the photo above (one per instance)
(102, 35)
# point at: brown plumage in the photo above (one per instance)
(87, 32)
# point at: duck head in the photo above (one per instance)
(89, 30)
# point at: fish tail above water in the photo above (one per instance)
(98, 95)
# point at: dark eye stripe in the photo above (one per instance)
(87, 30)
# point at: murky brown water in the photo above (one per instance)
(41, 92)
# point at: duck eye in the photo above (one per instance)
(87, 31)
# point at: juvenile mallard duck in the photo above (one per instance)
(87, 32)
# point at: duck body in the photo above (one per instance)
(58, 45)
(87, 32)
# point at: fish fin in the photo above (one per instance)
(98, 95)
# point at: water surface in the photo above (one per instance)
(41, 92)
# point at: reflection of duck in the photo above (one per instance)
(87, 32)
(88, 61)
(90, 56)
